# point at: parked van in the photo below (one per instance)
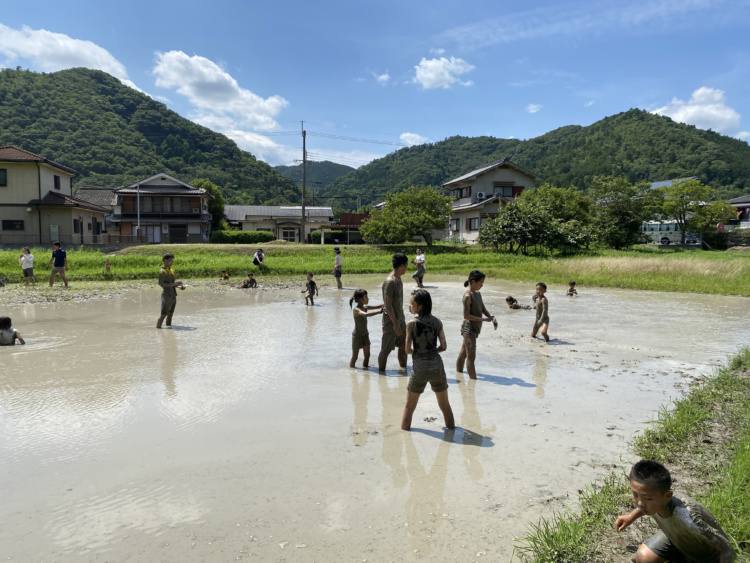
(667, 232)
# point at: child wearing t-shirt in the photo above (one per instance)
(311, 288)
(8, 334)
(360, 334)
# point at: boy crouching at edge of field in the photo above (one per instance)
(168, 283)
(422, 336)
(688, 531)
(311, 288)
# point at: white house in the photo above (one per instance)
(283, 222)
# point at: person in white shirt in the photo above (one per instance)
(419, 263)
(27, 265)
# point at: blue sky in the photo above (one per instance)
(369, 78)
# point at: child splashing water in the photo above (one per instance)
(360, 335)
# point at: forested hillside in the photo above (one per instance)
(114, 135)
(318, 174)
(634, 144)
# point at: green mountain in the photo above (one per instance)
(634, 144)
(114, 136)
(318, 174)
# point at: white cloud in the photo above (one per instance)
(437, 52)
(213, 91)
(49, 52)
(533, 108)
(589, 103)
(743, 135)
(441, 73)
(706, 109)
(382, 79)
(413, 139)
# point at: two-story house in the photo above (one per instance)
(283, 222)
(159, 209)
(37, 205)
(478, 195)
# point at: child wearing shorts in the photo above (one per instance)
(26, 260)
(422, 336)
(471, 327)
(360, 334)
(311, 288)
(542, 312)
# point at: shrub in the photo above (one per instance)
(315, 237)
(241, 237)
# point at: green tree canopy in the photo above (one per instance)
(215, 205)
(413, 212)
(621, 210)
(682, 199)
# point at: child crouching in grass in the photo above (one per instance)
(422, 336)
(688, 531)
(360, 335)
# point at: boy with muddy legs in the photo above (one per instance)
(542, 316)
(168, 285)
(360, 335)
(61, 264)
(311, 288)
(394, 324)
(422, 336)
(418, 261)
(471, 327)
(688, 531)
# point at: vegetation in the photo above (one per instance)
(114, 136)
(241, 237)
(318, 175)
(413, 212)
(712, 466)
(660, 270)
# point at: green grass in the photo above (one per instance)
(645, 268)
(677, 438)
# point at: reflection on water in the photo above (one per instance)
(539, 373)
(474, 433)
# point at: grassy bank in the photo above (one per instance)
(705, 443)
(693, 271)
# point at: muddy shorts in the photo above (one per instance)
(421, 377)
(538, 324)
(659, 543)
(390, 340)
(419, 273)
(467, 330)
(337, 272)
(58, 270)
(359, 341)
(28, 272)
(168, 303)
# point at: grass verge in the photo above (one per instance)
(705, 443)
(692, 271)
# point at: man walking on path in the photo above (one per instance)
(61, 264)
(394, 324)
(337, 267)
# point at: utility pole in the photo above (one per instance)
(302, 237)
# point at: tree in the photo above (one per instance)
(215, 205)
(682, 199)
(413, 212)
(621, 210)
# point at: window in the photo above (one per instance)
(181, 205)
(457, 193)
(472, 224)
(3, 176)
(467, 191)
(12, 225)
(289, 235)
(455, 224)
(57, 182)
(504, 191)
(89, 226)
(76, 226)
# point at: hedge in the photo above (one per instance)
(241, 237)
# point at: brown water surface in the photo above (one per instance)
(243, 434)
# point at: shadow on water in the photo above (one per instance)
(558, 342)
(178, 327)
(458, 435)
(500, 380)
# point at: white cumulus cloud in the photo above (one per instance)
(413, 139)
(437, 51)
(49, 52)
(533, 108)
(441, 73)
(706, 109)
(382, 79)
(589, 104)
(743, 135)
(215, 92)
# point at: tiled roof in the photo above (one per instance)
(53, 199)
(741, 199)
(169, 189)
(11, 153)
(667, 183)
(104, 197)
(243, 212)
(491, 166)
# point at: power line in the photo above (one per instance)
(356, 139)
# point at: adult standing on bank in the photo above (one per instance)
(258, 258)
(60, 258)
(337, 267)
(27, 265)
(394, 323)
(419, 263)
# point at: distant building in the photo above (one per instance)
(742, 204)
(478, 195)
(283, 222)
(37, 205)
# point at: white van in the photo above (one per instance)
(667, 232)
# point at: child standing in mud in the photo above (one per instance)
(422, 336)
(8, 334)
(311, 288)
(542, 312)
(360, 335)
(471, 327)
(572, 289)
(169, 286)
(688, 531)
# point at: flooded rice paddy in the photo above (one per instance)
(243, 434)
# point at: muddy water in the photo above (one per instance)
(243, 434)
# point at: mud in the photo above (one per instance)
(242, 433)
